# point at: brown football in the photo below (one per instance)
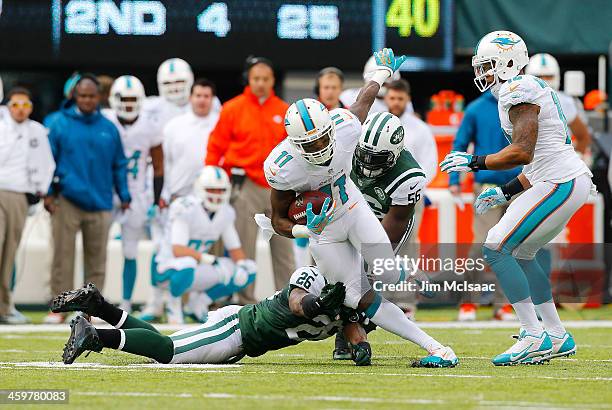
(297, 209)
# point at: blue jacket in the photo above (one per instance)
(481, 126)
(90, 159)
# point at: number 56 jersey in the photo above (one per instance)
(287, 170)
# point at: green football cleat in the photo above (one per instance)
(442, 357)
(528, 349)
(88, 299)
(83, 337)
(563, 346)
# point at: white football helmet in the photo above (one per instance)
(126, 97)
(380, 145)
(501, 54)
(311, 130)
(174, 81)
(368, 70)
(213, 187)
(545, 65)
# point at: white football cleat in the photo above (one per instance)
(528, 349)
(441, 357)
(563, 346)
(174, 311)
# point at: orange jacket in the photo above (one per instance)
(246, 133)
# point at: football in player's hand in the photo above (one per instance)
(297, 209)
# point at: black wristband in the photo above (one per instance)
(310, 306)
(158, 184)
(512, 188)
(478, 163)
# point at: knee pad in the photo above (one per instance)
(180, 281)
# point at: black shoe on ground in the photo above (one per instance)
(83, 337)
(342, 351)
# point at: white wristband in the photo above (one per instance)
(207, 258)
(381, 75)
(300, 231)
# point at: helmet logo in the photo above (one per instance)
(398, 136)
(380, 193)
(505, 43)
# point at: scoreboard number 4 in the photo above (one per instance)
(214, 20)
(423, 15)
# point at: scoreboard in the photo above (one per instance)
(219, 34)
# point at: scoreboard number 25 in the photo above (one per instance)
(422, 15)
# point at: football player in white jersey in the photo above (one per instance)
(195, 223)
(141, 139)
(546, 67)
(317, 155)
(554, 183)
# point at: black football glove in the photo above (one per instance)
(332, 296)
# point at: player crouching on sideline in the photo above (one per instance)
(317, 155)
(554, 183)
(195, 223)
(141, 139)
(306, 309)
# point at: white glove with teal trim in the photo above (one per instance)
(488, 199)
(316, 223)
(456, 161)
(386, 65)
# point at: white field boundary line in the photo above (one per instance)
(275, 397)
(243, 369)
(572, 324)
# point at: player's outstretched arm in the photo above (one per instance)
(524, 119)
(386, 65)
(281, 201)
(305, 304)
(396, 221)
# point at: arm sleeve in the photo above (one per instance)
(219, 139)
(120, 170)
(465, 134)
(309, 279)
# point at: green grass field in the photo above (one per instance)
(304, 376)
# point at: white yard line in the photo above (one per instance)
(244, 369)
(351, 399)
(572, 324)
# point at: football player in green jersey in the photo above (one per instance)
(306, 309)
(390, 180)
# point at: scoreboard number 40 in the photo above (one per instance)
(422, 15)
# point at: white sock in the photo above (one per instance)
(550, 318)
(525, 310)
(392, 319)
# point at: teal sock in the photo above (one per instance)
(539, 283)
(129, 278)
(544, 258)
(150, 344)
(511, 277)
(154, 270)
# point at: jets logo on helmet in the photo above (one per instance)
(310, 130)
(499, 56)
(126, 97)
(546, 67)
(380, 145)
(174, 81)
(213, 188)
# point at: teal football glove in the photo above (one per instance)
(152, 212)
(316, 223)
(489, 198)
(457, 161)
(385, 59)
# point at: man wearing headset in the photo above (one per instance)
(250, 126)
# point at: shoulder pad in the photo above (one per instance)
(521, 89)
(281, 168)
